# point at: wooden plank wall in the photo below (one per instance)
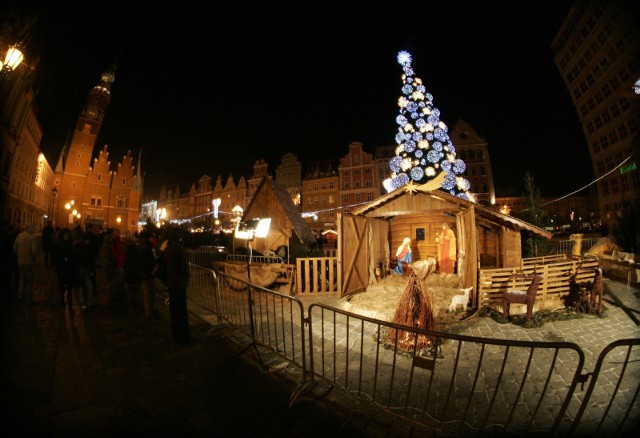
(555, 282)
(406, 226)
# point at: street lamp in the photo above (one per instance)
(12, 60)
(54, 193)
(72, 213)
(216, 203)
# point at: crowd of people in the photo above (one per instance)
(132, 267)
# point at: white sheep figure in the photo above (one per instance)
(460, 299)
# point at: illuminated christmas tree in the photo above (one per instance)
(424, 148)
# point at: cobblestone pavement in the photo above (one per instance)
(109, 370)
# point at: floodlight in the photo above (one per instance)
(253, 228)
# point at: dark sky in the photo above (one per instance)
(211, 87)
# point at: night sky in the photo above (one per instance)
(215, 86)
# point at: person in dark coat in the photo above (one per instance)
(47, 242)
(66, 266)
(94, 244)
(147, 265)
(178, 274)
(84, 257)
(114, 265)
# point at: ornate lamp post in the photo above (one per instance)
(12, 60)
(54, 193)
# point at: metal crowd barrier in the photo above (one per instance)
(447, 383)
(271, 319)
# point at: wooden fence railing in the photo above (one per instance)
(317, 275)
(531, 262)
(556, 278)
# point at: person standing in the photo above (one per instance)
(114, 264)
(94, 244)
(47, 242)
(66, 266)
(147, 265)
(26, 248)
(84, 257)
(448, 250)
(403, 254)
(178, 274)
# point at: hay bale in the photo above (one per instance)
(381, 299)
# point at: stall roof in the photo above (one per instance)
(291, 211)
(389, 205)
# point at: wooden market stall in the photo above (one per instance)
(288, 228)
(289, 237)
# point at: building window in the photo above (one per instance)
(121, 202)
(614, 186)
(357, 197)
(323, 186)
(124, 181)
(346, 185)
(345, 198)
(96, 201)
(635, 179)
(357, 184)
(356, 172)
(624, 182)
(99, 177)
(330, 184)
(369, 196)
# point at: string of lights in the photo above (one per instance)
(315, 213)
(584, 187)
(305, 214)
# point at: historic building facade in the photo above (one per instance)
(321, 195)
(358, 179)
(474, 151)
(88, 189)
(26, 177)
(597, 52)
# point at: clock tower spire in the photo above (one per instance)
(77, 162)
(89, 124)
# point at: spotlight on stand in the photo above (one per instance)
(248, 231)
(253, 228)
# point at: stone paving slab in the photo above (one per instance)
(110, 371)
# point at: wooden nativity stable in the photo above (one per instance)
(370, 234)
